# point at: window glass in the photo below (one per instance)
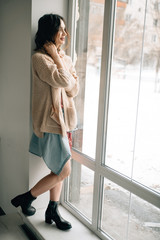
(144, 220)
(81, 189)
(124, 86)
(147, 151)
(88, 50)
(133, 131)
(115, 210)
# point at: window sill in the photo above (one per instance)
(46, 231)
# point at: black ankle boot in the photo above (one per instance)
(25, 200)
(52, 214)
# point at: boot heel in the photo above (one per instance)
(48, 220)
(15, 202)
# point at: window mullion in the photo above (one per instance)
(72, 27)
(107, 46)
(71, 52)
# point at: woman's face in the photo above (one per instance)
(60, 36)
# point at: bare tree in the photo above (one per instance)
(152, 50)
(129, 35)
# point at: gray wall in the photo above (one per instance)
(19, 170)
(15, 45)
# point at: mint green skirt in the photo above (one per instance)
(53, 148)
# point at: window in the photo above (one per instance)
(157, 6)
(155, 22)
(128, 17)
(114, 187)
(154, 37)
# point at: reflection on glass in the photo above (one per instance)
(81, 189)
(88, 50)
(144, 220)
(133, 124)
(115, 210)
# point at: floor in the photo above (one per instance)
(11, 227)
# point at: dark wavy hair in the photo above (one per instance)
(48, 27)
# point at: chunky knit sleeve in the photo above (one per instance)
(48, 72)
(73, 91)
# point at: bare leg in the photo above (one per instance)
(55, 192)
(50, 181)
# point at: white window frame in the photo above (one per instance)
(98, 166)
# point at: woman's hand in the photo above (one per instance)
(51, 49)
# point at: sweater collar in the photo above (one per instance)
(60, 52)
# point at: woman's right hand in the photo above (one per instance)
(51, 49)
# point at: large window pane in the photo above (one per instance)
(147, 151)
(81, 189)
(88, 50)
(124, 86)
(115, 210)
(133, 131)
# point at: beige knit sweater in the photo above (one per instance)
(51, 87)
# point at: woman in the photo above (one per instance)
(55, 84)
